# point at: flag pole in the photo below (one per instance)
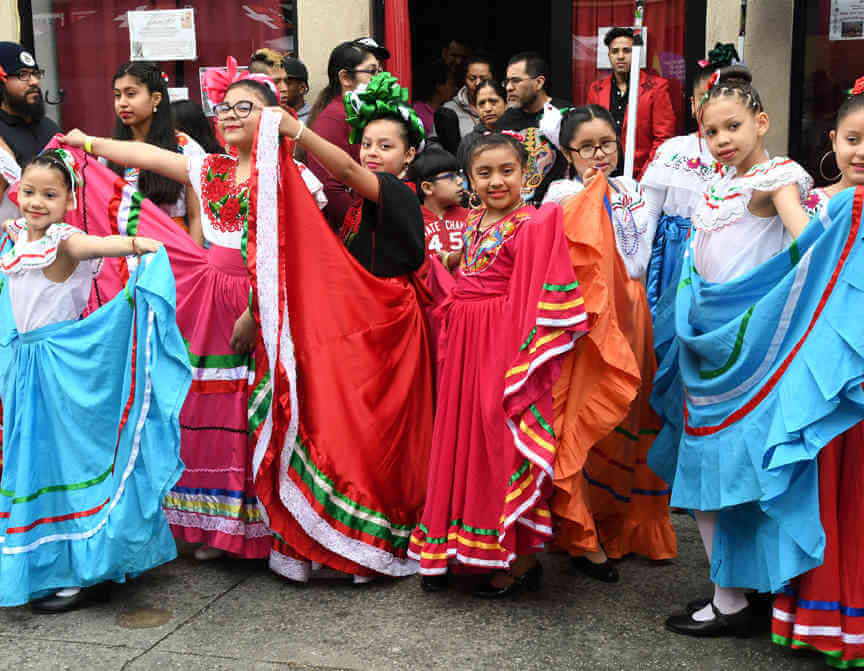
(742, 29)
(633, 90)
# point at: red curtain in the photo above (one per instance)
(93, 40)
(397, 39)
(665, 24)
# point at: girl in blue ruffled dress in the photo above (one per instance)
(91, 406)
(747, 217)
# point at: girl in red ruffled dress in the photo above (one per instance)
(512, 312)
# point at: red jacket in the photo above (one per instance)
(656, 115)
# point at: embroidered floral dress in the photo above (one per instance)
(513, 311)
(728, 239)
(90, 421)
(634, 230)
(214, 502)
(673, 184)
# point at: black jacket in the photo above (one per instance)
(26, 139)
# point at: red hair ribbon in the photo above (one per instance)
(712, 80)
(514, 135)
(216, 82)
(858, 89)
(3, 75)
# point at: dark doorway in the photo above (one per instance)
(501, 28)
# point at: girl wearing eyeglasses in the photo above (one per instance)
(609, 503)
(213, 504)
(144, 115)
(351, 64)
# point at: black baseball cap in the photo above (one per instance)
(369, 44)
(294, 69)
(14, 57)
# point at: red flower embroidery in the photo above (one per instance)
(216, 189)
(229, 216)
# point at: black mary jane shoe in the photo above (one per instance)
(605, 572)
(63, 604)
(738, 624)
(760, 603)
(531, 580)
(434, 583)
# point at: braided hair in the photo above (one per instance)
(732, 81)
(160, 190)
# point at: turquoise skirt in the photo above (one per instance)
(91, 440)
(756, 376)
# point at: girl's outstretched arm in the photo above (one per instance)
(787, 201)
(133, 155)
(338, 162)
(81, 246)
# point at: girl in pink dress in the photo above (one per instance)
(512, 312)
(214, 503)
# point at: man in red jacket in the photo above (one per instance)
(656, 116)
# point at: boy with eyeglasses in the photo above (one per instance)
(439, 182)
(23, 124)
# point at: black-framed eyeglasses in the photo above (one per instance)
(371, 71)
(589, 150)
(242, 108)
(455, 175)
(515, 81)
(24, 75)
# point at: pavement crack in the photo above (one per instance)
(182, 624)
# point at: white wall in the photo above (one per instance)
(321, 25)
(9, 22)
(767, 52)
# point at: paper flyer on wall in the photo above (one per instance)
(162, 35)
(847, 20)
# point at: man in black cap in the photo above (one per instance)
(296, 87)
(23, 124)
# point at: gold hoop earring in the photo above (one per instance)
(474, 200)
(822, 170)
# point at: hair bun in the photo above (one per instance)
(734, 73)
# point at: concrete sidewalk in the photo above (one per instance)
(236, 615)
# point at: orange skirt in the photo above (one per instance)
(605, 494)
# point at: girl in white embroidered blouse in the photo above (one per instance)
(748, 216)
(588, 139)
(44, 243)
(755, 210)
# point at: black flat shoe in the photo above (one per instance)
(738, 624)
(434, 583)
(761, 603)
(605, 571)
(63, 604)
(531, 580)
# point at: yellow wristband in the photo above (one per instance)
(88, 144)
